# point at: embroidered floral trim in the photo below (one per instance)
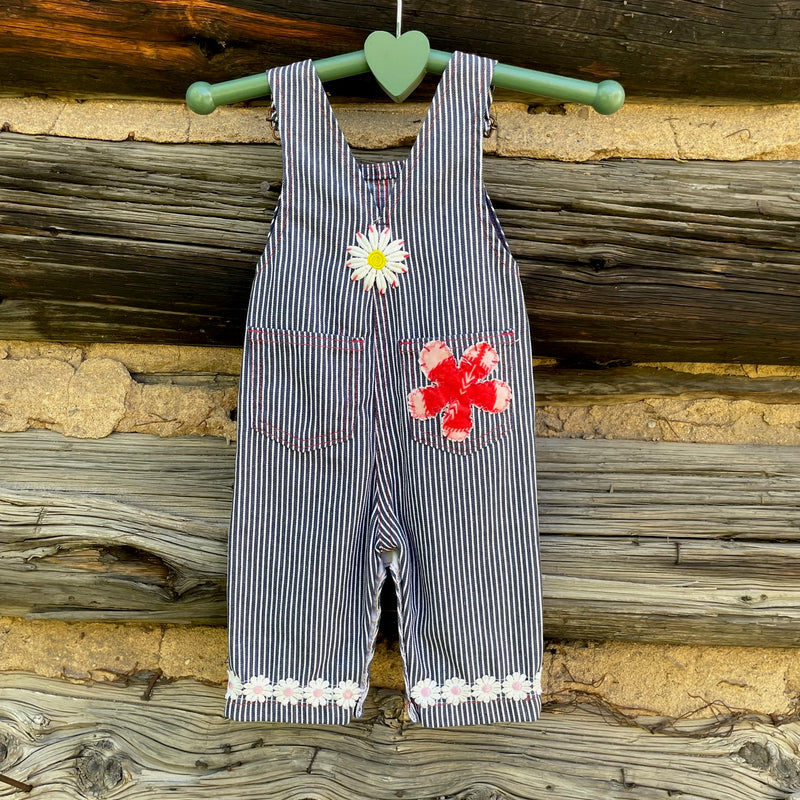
(377, 259)
(454, 691)
(458, 387)
(289, 692)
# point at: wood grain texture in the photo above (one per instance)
(641, 541)
(636, 260)
(76, 741)
(156, 48)
(577, 386)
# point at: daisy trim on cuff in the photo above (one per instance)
(516, 686)
(318, 693)
(258, 689)
(234, 689)
(346, 694)
(456, 691)
(486, 689)
(426, 693)
(288, 692)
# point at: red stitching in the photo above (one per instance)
(474, 444)
(285, 208)
(281, 435)
(502, 255)
(337, 132)
(480, 205)
(410, 165)
(276, 432)
(412, 345)
(359, 343)
(439, 703)
(503, 425)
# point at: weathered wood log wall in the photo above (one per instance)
(635, 260)
(659, 257)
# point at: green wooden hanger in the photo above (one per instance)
(399, 63)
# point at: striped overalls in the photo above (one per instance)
(385, 427)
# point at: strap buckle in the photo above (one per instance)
(272, 121)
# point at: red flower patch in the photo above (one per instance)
(458, 387)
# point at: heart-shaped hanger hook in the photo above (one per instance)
(397, 62)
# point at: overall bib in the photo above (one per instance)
(386, 423)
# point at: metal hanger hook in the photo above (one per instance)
(399, 17)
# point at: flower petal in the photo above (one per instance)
(426, 402)
(492, 396)
(369, 279)
(457, 421)
(436, 358)
(393, 248)
(478, 361)
(361, 272)
(358, 251)
(373, 237)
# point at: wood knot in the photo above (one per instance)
(99, 769)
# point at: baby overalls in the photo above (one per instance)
(385, 427)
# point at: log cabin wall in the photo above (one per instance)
(659, 255)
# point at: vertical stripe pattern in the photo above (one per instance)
(365, 450)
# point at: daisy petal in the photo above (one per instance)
(376, 258)
(361, 271)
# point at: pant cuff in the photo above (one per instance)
(300, 714)
(475, 712)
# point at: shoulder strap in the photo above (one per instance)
(316, 156)
(448, 161)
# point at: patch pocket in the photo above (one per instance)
(458, 389)
(304, 386)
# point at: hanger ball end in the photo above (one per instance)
(609, 98)
(199, 98)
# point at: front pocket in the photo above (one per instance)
(458, 389)
(304, 386)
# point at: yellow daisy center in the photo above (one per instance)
(376, 259)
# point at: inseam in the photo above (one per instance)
(375, 616)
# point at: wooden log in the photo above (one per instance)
(156, 48)
(577, 386)
(105, 740)
(564, 385)
(636, 260)
(636, 536)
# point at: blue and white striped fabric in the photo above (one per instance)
(385, 427)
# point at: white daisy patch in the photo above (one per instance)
(516, 686)
(486, 689)
(318, 693)
(377, 259)
(234, 690)
(455, 691)
(258, 689)
(346, 694)
(288, 692)
(426, 692)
